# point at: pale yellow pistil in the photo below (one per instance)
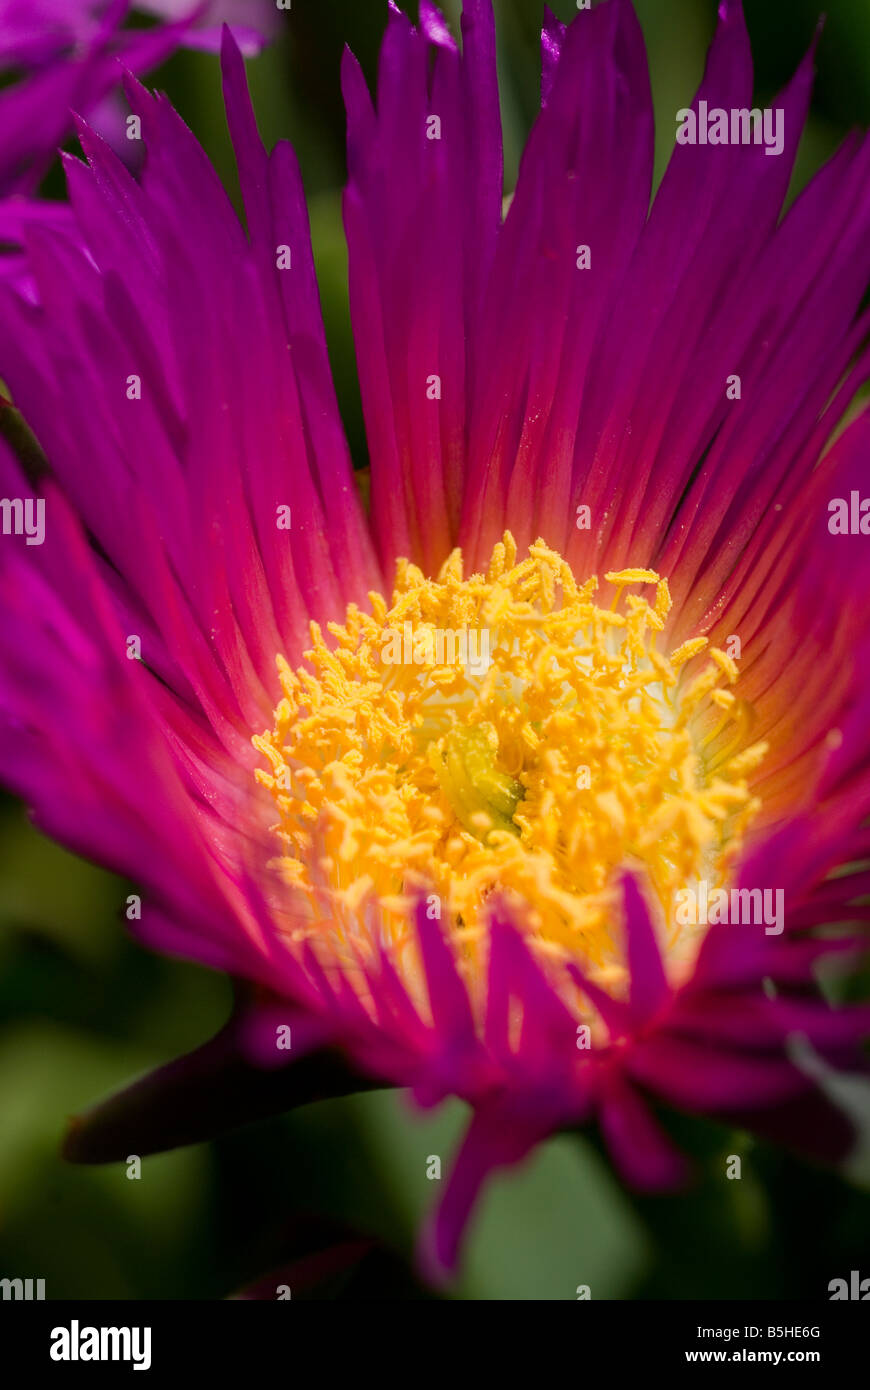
(574, 750)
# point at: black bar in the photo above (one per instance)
(249, 1337)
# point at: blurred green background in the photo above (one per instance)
(83, 1010)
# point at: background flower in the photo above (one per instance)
(64, 55)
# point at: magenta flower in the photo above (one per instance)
(64, 56)
(65, 59)
(544, 782)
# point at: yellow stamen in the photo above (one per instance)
(502, 732)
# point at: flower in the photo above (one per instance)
(65, 56)
(604, 437)
(62, 58)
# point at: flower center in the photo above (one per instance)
(503, 732)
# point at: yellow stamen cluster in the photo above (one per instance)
(576, 748)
